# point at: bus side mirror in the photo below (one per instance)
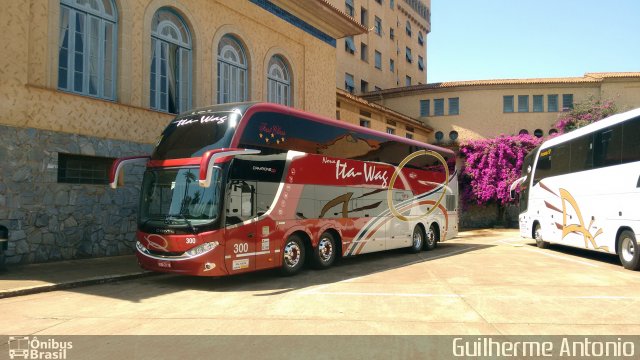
(210, 158)
(514, 185)
(115, 176)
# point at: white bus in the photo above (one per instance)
(582, 189)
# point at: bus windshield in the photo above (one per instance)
(193, 134)
(173, 197)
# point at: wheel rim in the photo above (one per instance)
(538, 235)
(431, 237)
(292, 254)
(417, 239)
(325, 249)
(628, 249)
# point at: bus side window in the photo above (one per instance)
(631, 141)
(608, 147)
(582, 153)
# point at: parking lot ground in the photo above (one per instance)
(483, 282)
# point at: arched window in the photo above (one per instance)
(170, 78)
(87, 47)
(523, 132)
(279, 82)
(232, 71)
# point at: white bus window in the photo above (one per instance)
(631, 141)
(608, 147)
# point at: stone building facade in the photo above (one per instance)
(84, 82)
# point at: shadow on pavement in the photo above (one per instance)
(584, 253)
(270, 282)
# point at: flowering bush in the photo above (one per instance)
(491, 166)
(585, 113)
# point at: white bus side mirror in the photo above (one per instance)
(118, 164)
(514, 185)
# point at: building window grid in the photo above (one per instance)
(365, 123)
(523, 103)
(170, 78)
(88, 46)
(349, 7)
(82, 169)
(567, 102)
(438, 107)
(454, 106)
(364, 52)
(538, 103)
(377, 23)
(364, 17)
(425, 107)
(233, 76)
(349, 83)
(279, 82)
(507, 103)
(552, 103)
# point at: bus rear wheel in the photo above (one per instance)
(325, 253)
(628, 250)
(417, 240)
(432, 237)
(292, 256)
(537, 233)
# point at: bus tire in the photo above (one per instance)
(628, 250)
(432, 237)
(537, 233)
(293, 254)
(325, 253)
(417, 240)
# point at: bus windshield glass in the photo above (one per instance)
(173, 196)
(193, 134)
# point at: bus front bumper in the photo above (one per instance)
(204, 260)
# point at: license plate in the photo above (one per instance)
(164, 264)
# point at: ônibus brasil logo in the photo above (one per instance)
(24, 347)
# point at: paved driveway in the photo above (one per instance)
(484, 282)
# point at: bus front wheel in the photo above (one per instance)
(538, 236)
(325, 253)
(292, 255)
(628, 250)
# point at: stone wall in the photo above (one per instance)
(51, 221)
(486, 216)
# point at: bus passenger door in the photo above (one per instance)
(240, 232)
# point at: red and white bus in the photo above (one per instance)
(242, 187)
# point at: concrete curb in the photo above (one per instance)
(74, 284)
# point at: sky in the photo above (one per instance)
(515, 39)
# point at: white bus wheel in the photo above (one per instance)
(325, 253)
(628, 250)
(538, 236)
(417, 240)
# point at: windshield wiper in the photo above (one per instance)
(181, 216)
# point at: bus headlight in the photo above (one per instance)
(201, 249)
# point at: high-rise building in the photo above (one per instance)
(394, 50)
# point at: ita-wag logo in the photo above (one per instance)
(25, 347)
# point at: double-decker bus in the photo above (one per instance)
(582, 189)
(242, 187)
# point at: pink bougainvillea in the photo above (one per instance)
(491, 165)
(585, 113)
